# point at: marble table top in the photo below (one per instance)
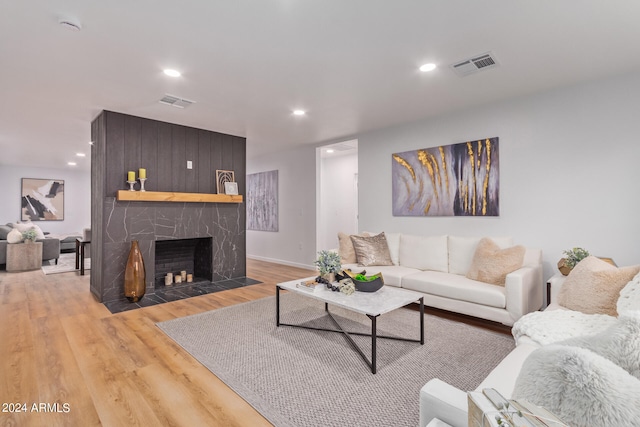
(384, 300)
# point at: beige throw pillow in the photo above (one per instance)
(491, 264)
(345, 248)
(593, 286)
(372, 250)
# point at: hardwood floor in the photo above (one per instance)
(80, 365)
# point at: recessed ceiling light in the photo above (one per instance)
(71, 163)
(427, 67)
(329, 150)
(172, 73)
(81, 155)
(299, 112)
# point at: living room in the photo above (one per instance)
(567, 169)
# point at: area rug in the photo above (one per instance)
(303, 378)
(66, 264)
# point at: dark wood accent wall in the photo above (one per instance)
(126, 143)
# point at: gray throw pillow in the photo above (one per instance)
(4, 230)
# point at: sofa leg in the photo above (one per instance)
(57, 261)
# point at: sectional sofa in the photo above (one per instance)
(50, 246)
(583, 366)
(438, 266)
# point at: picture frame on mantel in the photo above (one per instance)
(231, 188)
(223, 176)
(42, 199)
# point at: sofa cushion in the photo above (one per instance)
(579, 386)
(456, 287)
(462, 249)
(491, 264)
(424, 253)
(345, 249)
(372, 250)
(630, 296)
(594, 285)
(392, 274)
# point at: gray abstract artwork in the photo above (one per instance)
(262, 201)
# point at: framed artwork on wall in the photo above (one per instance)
(450, 180)
(262, 201)
(42, 199)
(222, 177)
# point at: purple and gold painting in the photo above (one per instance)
(42, 200)
(451, 180)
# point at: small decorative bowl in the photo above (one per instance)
(371, 286)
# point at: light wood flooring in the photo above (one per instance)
(58, 345)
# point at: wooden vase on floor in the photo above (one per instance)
(134, 274)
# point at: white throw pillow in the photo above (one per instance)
(461, 250)
(424, 253)
(629, 296)
(25, 226)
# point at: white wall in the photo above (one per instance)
(77, 197)
(568, 170)
(338, 199)
(294, 242)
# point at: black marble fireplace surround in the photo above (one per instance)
(124, 143)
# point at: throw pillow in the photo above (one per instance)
(345, 248)
(579, 386)
(619, 343)
(593, 286)
(372, 250)
(630, 296)
(393, 240)
(462, 249)
(491, 264)
(424, 252)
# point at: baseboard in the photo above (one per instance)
(281, 261)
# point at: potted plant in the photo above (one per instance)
(29, 236)
(572, 257)
(328, 264)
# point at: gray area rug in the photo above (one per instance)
(298, 377)
(66, 264)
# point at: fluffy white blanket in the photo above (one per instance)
(547, 327)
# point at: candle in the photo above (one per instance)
(131, 176)
(178, 279)
(183, 274)
(143, 173)
(189, 278)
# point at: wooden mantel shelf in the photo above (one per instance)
(161, 196)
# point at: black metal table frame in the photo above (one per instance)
(374, 335)
(80, 244)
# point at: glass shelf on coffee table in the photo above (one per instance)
(371, 304)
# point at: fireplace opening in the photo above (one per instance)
(191, 255)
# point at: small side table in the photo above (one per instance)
(555, 280)
(24, 256)
(80, 244)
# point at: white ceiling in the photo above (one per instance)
(352, 64)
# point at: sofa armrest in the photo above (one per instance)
(50, 248)
(443, 401)
(524, 289)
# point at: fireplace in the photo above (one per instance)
(191, 255)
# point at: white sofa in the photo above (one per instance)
(436, 266)
(441, 401)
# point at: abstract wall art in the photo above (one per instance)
(42, 200)
(451, 180)
(262, 201)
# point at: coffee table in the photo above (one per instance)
(372, 304)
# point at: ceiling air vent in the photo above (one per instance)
(484, 61)
(175, 101)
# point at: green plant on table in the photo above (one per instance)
(328, 262)
(30, 234)
(574, 256)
